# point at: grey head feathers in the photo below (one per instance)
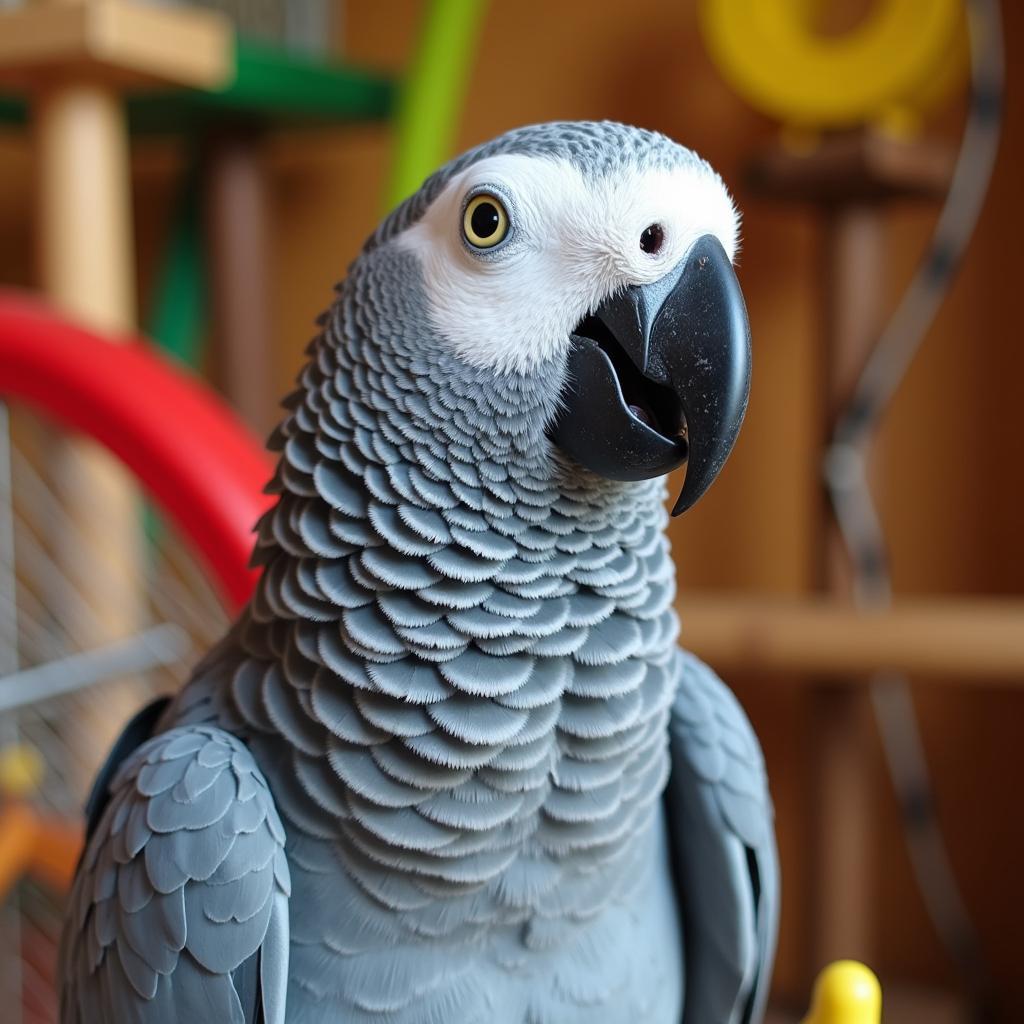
(596, 148)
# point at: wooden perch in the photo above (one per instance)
(972, 640)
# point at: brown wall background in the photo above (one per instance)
(951, 485)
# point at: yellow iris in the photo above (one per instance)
(485, 222)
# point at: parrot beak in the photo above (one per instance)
(659, 375)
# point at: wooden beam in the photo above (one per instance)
(853, 167)
(121, 43)
(84, 248)
(238, 230)
(971, 641)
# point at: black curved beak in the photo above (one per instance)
(659, 375)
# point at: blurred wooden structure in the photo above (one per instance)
(175, 70)
(75, 59)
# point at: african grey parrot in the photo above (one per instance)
(450, 764)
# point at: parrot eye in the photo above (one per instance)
(652, 239)
(485, 222)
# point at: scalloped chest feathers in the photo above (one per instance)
(457, 668)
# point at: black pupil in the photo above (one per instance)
(485, 220)
(652, 238)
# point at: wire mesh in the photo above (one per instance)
(51, 748)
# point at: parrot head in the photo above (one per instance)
(592, 263)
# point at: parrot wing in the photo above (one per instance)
(723, 849)
(179, 909)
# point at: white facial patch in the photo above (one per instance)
(571, 244)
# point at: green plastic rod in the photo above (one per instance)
(177, 319)
(432, 95)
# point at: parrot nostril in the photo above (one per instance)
(652, 239)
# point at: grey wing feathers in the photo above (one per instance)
(179, 910)
(726, 865)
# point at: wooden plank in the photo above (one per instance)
(122, 43)
(853, 167)
(269, 87)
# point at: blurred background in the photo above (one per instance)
(244, 211)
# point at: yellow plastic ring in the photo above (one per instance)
(898, 55)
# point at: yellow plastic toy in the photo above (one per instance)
(900, 60)
(846, 992)
(21, 770)
(31, 843)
